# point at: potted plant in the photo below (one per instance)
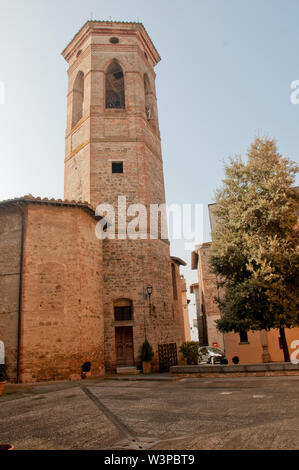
(146, 357)
(236, 359)
(3, 377)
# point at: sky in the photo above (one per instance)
(225, 76)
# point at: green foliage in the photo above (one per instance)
(236, 359)
(255, 245)
(147, 353)
(3, 374)
(189, 349)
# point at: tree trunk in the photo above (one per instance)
(284, 345)
(265, 355)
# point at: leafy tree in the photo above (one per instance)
(255, 244)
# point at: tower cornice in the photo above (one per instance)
(113, 28)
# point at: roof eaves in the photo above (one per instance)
(29, 199)
(178, 261)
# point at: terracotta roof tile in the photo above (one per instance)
(28, 198)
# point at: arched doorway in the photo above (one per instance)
(124, 342)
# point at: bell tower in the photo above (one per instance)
(113, 149)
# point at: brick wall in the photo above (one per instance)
(62, 315)
(129, 267)
(107, 135)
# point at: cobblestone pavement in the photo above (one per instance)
(235, 413)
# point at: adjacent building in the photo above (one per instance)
(252, 346)
(200, 322)
(185, 303)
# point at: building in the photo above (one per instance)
(67, 297)
(185, 303)
(200, 322)
(208, 291)
(251, 347)
(51, 317)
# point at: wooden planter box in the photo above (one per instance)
(147, 367)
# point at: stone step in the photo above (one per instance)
(128, 370)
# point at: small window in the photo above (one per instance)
(114, 40)
(122, 313)
(123, 310)
(117, 167)
(174, 286)
(243, 337)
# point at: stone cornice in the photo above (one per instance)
(112, 27)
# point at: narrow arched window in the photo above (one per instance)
(123, 310)
(78, 98)
(115, 87)
(148, 99)
(174, 284)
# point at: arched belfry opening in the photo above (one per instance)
(115, 86)
(148, 99)
(78, 98)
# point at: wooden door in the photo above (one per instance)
(124, 346)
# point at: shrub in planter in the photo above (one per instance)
(189, 350)
(236, 359)
(224, 361)
(146, 356)
(3, 376)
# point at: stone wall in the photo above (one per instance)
(246, 370)
(129, 267)
(62, 314)
(62, 303)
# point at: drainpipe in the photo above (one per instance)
(21, 209)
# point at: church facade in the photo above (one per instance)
(68, 297)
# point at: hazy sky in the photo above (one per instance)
(225, 76)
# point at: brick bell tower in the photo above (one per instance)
(113, 149)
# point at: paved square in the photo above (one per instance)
(234, 413)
